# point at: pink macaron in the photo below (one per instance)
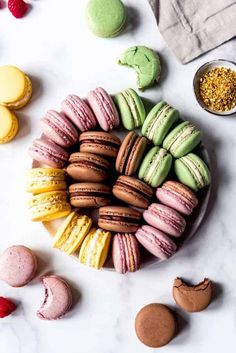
(156, 242)
(18, 265)
(177, 196)
(59, 129)
(78, 112)
(58, 298)
(165, 218)
(47, 152)
(104, 109)
(125, 253)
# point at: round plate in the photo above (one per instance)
(200, 72)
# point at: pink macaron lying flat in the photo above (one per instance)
(125, 253)
(103, 108)
(156, 242)
(58, 298)
(177, 196)
(59, 129)
(47, 152)
(18, 265)
(78, 112)
(165, 218)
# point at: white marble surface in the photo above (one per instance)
(53, 45)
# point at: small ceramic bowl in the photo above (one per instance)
(200, 72)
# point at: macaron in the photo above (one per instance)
(88, 167)
(72, 232)
(40, 180)
(145, 62)
(192, 298)
(119, 219)
(159, 121)
(156, 242)
(155, 325)
(48, 206)
(177, 196)
(78, 112)
(106, 18)
(130, 153)
(18, 265)
(192, 171)
(58, 298)
(155, 166)
(8, 125)
(59, 129)
(99, 142)
(86, 195)
(125, 253)
(104, 109)
(182, 140)
(132, 191)
(48, 153)
(165, 218)
(131, 108)
(15, 87)
(95, 247)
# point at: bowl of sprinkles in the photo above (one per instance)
(215, 87)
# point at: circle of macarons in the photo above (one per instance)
(81, 165)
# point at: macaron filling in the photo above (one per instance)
(123, 219)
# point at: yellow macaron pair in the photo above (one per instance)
(15, 93)
(75, 232)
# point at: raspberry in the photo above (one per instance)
(6, 307)
(18, 8)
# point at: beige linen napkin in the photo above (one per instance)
(192, 27)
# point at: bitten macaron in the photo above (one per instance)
(8, 125)
(89, 195)
(40, 180)
(99, 142)
(159, 121)
(125, 253)
(15, 87)
(131, 108)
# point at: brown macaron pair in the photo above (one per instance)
(85, 195)
(99, 142)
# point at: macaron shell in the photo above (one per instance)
(39, 180)
(99, 142)
(13, 84)
(8, 125)
(86, 195)
(20, 103)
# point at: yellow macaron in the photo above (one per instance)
(8, 125)
(72, 232)
(95, 247)
(15, 87)
(49, 205)
(40, 180)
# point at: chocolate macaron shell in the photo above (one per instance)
(88, 167)
(84, 195)
(99, 142)
(132, 191)
(119, 219)
(124, 151)
(192, 298)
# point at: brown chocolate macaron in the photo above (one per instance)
(155, 325)
(119, 219)
(84, 195)
(88, 167)
(192, 298)
(130, 153)
(132, 191)
(99, 142)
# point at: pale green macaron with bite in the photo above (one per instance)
(192, 171)
(106, 18)
(155, 166)
(159, 121)
(131, 108)
(182, 140)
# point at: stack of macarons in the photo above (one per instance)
(81, 168)
(15, 93)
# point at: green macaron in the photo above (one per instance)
(146, 63)
(155, 166)
(106, 18)
(182, 140)
(131, 108)
(159, 121)
(192, 171)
